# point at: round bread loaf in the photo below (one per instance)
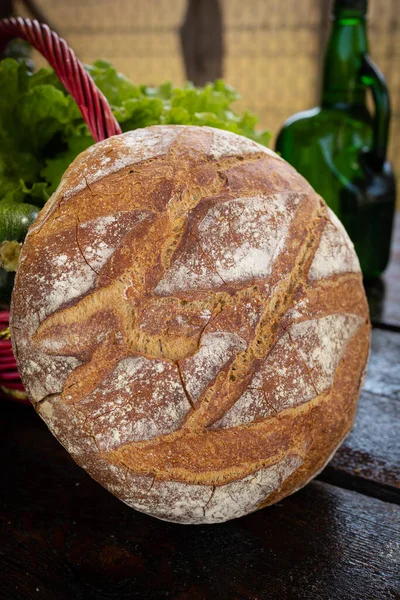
(189, 319)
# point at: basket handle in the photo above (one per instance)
(91, 102)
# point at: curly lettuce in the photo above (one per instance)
(42, 130)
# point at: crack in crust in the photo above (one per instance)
(217, 399)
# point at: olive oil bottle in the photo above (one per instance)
(340, 148)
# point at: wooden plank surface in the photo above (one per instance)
(62, 536)
(383, 375)
(369, 459)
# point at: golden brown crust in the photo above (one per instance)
(190, 319)
(217, 456)
(335, 418)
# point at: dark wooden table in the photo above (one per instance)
(64, 537)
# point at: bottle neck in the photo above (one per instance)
(348, 43)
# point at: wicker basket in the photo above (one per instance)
(101, 122)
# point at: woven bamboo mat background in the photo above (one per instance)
(272, 48)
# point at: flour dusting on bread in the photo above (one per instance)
(335, 254)
(236, 241)
(216, 351)
(226, 143)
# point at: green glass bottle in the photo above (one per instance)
(340, 148)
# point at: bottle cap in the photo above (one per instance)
(352, 4)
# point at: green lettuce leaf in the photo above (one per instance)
(55, 167)
(42, 130)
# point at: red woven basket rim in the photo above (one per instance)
(92, 103)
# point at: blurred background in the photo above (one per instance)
(269, 50)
